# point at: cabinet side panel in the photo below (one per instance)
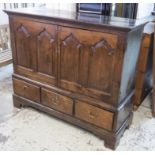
(130, 62)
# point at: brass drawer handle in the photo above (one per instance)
(55, 100)
(92, 115)
(25, 87)
(56, 103)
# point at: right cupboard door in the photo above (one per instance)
(87, 62)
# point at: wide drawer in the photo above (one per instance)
(26, 90)
(94, 115)
(57, 101)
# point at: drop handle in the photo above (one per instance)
(25, 87)
(56, 103)
(92, 115)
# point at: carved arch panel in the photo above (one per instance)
(70, 58)
(46, 52)
(101, 66)
(23, 38)
(36, 50)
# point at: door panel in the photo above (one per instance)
(36, 48)
(46, 53)
(70, 60)
(87, 62)
(101, 67)
(24, 48)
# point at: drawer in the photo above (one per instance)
(94, 115)
(26, 90)
(57, 101)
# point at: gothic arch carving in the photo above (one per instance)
(71, 39)
(104, 44)
(44, 33)
(23, 29)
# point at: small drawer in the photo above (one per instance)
(57, 101)
(26, 90)
(94, 115)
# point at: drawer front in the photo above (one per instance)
(94, 115)
(26, 90)
(57, 101)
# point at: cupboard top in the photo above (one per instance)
(123, 24)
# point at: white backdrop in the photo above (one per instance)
(62, 6)
(3, 16)
(144, 9)
(55, 6)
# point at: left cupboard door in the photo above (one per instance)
(35, 48)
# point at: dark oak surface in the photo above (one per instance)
(57, 101)
(91, 19)
(94, 115)
(77, 68)
(26, 90)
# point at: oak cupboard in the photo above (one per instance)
(77, 67)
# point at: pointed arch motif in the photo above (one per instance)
(103, 44)
(71, 39)
(24, 30)
(44, 33)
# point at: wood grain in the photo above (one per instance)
(75, 69)
(94, 115)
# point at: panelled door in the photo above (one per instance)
(87, 62)
(35, 47)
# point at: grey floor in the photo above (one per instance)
(29, 129)
(6, 106)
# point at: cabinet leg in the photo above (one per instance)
(153, 107)
(17, 104)
(130, 121)
(135, 107)
(112, 144)
(113, 141)
(153, 103)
